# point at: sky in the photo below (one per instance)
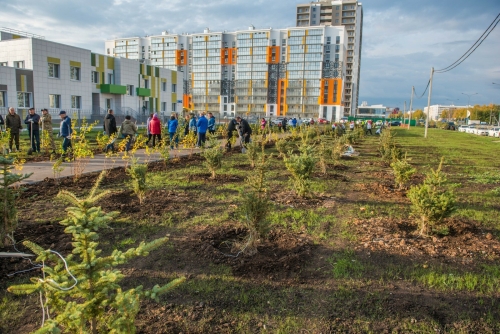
(402, 39)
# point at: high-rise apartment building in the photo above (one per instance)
(296, 72)
(347, 13)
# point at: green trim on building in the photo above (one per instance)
(92, 59)
(148, 70)
(111, 63)
(53, 60)
(157, 72)
(141, 68)
(143, 91)
(75, 63)
(174, 77)
(113, 89)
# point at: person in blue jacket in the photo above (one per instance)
(172, 129)
(294, 122)
(65, 131)
(192, 124)
(202, 126)
(211, 123)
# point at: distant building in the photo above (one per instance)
(38, 73)
(347, 13)
(297, 72)
(377, 110)
(436, 111)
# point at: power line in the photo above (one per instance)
(473, 48)
(419, 97)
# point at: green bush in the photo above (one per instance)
(252, 151)
(82, 292)
(432, 201)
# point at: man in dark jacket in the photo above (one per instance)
(33, 122)
(231, 127)
(65, 131)
(110, 129)
(245, 129)
(13, 123)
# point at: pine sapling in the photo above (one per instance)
(324, 155)
(402, 171)
(138, 173)
(81, 292)
(213, 156)
(432, 201)
(8, 196)
(252, 151)
(301, 166)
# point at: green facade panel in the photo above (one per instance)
(143, 92)
(114, 89)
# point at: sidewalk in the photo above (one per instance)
(43, 169)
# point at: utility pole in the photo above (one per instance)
(429, 103)
(404, 114)
(411, 105)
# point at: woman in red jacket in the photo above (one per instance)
(155, 129)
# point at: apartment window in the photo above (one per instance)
(337, 7)
(76, 102)
(314, 16)
(164, 86)
(3, 99)
(23, 100)
(337, 40)
(225, 107)
(95, 77)
(55, 101)
(108, 51)
(164, 106)
(325, 112)
(110, 79)
(4, 63)
(336, 20)
(146, 83)
(19, 64)
(174, 107)
(314, 9)
(328, 40)
(273, 42)
(225, 99)
(232, 107)
(74, 73)
(174, 88)
(53, 70)
(337, 14)
(327, 56)
(130, 90)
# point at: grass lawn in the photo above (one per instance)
(347, 259)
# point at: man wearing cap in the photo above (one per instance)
(33, 122)
(245, 130)
(65, 131)
(46, 121)
(13, 123)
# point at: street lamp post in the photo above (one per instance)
(469, 95)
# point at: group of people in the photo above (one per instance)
(34, 122)
(128, 130)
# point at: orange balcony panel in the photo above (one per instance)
(273, 55)
(181, 58)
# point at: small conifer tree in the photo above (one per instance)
(403, 172)
(213, 156)
(82, 292)
(301, 166)
(252, 151)
(432, 200)
(138, 173)
(8, 196)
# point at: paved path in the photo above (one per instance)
(42, 170)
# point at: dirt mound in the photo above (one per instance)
(278, 257)
(463, 241)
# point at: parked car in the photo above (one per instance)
(277, 121)
(471, 129)
(379, 123)
(307, 121)
(449, 126)
(463, 128)
(494, 132)
(323, 121)
(481, 131)
(395, 123)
